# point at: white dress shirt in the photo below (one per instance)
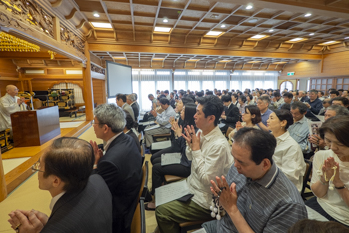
(289, 158)
(55, 199)
(213, 159)
(332, 202)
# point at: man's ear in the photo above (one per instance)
(211, 118)
(56, 181)
(266, 164)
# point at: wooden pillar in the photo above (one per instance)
(3, 190)
(88, 89)
(30, 85)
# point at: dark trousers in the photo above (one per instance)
(312, 203)
(159, 172)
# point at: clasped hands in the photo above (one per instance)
(27, 221)
(20, 100)
(177, 129)
(223, 116)
(227, 195)
(154, 113)
(328, 171)
(192, 139)
(317, 140)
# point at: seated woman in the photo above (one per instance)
(182, 169)
(249, 100)
(250, 118)
(330, 177)
(288, 155)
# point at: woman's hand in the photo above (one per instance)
(177, 129)
(238, 126)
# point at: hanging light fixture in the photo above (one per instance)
(13, 44)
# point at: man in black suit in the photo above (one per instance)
(231, 114)
(81, 203)
(120, 165)
(131, 99)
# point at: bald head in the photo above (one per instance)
(12, 90)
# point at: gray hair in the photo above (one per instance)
(111, 115)
(265, 98)
(340, 110)
(131, 97)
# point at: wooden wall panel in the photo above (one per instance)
(99, 95)
(7, 70)
(43, 85)
(302, 69)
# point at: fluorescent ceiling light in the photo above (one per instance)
(165, 20)
(307, 15)
(35, 71)
(213, 33)
(280, 62)
(330, 42)
(311, 34)
(193, 60)
(296, 39)
(346, 38)
(271, 30)
(119, 57)
(158, 58)
(73, 71)
(223, 26)
(225, 61)
(248, 7)
(162, 29)
(101, 25)
(96, 15)
(254, 62)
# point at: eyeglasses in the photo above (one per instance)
(100, 123)
(36, 167)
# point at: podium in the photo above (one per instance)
(34, 128)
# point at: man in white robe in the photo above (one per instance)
(10, 103)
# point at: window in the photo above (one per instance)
(147, 87)
(135, 87)
(286, 84)
(268, 84)
(220, 85)
(245, 84)
(178, 85)
(207, 85)
(258, 84)
(234, 85)
(163, 85)
(194, 85)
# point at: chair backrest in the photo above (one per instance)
(307, 175)
(137, 221)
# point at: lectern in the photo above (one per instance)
(34, 128)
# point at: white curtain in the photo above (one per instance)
(239, 80)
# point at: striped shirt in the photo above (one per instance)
(270, 204)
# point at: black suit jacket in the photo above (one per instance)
(88, 211)
(121, 168)
(233, 115)
(135, 108)
(134, 136)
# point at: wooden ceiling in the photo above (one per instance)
(133, 22)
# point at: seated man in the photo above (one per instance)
(120, 165)
(209, 153)
(288, 99)
(121, 102)
(277, 100)
(80, 203)
(162, 119)
(10, 103)
(299, 131)
(314, 105)
(256, 195)
(263, 105)
(131, 100)
(231, 114)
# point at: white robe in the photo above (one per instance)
(9, 105)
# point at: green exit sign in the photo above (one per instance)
(290, 73)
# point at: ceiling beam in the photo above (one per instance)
(330, 2)
(133, 22)
(105, 9)
(197, 51)
(157, 14)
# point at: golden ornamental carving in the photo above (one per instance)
(97, 69)
(52, 54)
(12, 43)
(69, 38)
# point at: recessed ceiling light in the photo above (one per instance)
(330, 42)
(225, 61)
(257, 36)
(213, 33)
(296, 39)
(165, 20)
(96, 15)
(271, 30)
(214, 16)
(253, 20)
(101, 25)
(307, 15)
(223, 26)
(311, 34)
(162, 29)
(249, 7)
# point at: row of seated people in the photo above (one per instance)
(287, 155)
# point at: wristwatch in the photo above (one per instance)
(342, 187)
